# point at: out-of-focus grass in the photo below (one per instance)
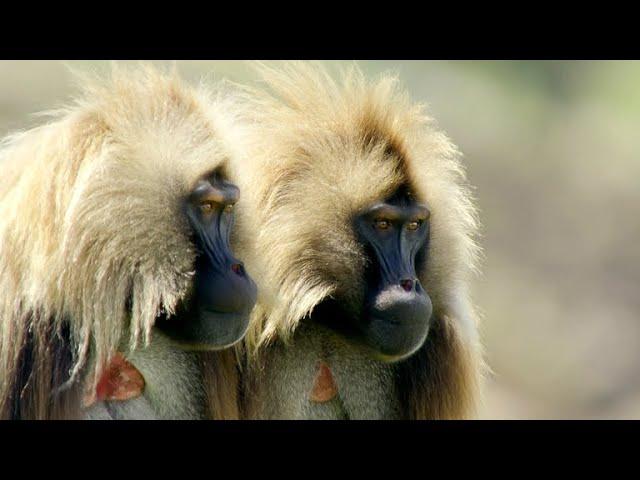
(554, 152)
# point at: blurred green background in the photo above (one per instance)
(553, 149)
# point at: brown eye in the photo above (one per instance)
(206, 207)
(228, 208)
(382, 224)
(414, 225)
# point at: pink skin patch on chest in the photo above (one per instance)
(324, 386)
(119, 381)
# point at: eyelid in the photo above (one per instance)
(378, 221)
(386, 212)
(417, 222)
(206, 205)
(212, 196)
(222, 195)
(424, 215)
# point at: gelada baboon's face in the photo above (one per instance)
(215, 313)
(391, 315)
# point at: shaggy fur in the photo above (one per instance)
(93, 245)
(322, 151)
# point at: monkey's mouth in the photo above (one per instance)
(205, 329)
(393, 341)
(387, 334)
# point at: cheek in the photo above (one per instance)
(342, 263)
(432, 267)
(421, 258)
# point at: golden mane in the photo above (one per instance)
(91, 236)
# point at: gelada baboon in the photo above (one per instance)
(114, 236)
(359, 227)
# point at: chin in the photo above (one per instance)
(392, 342)
(213, 330)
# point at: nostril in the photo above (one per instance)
(237, 268)
(406, 284)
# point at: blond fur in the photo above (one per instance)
(90, 220)
(323, 150)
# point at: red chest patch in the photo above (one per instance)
(119, 381)
(324, 386)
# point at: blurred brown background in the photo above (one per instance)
(553, 149)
